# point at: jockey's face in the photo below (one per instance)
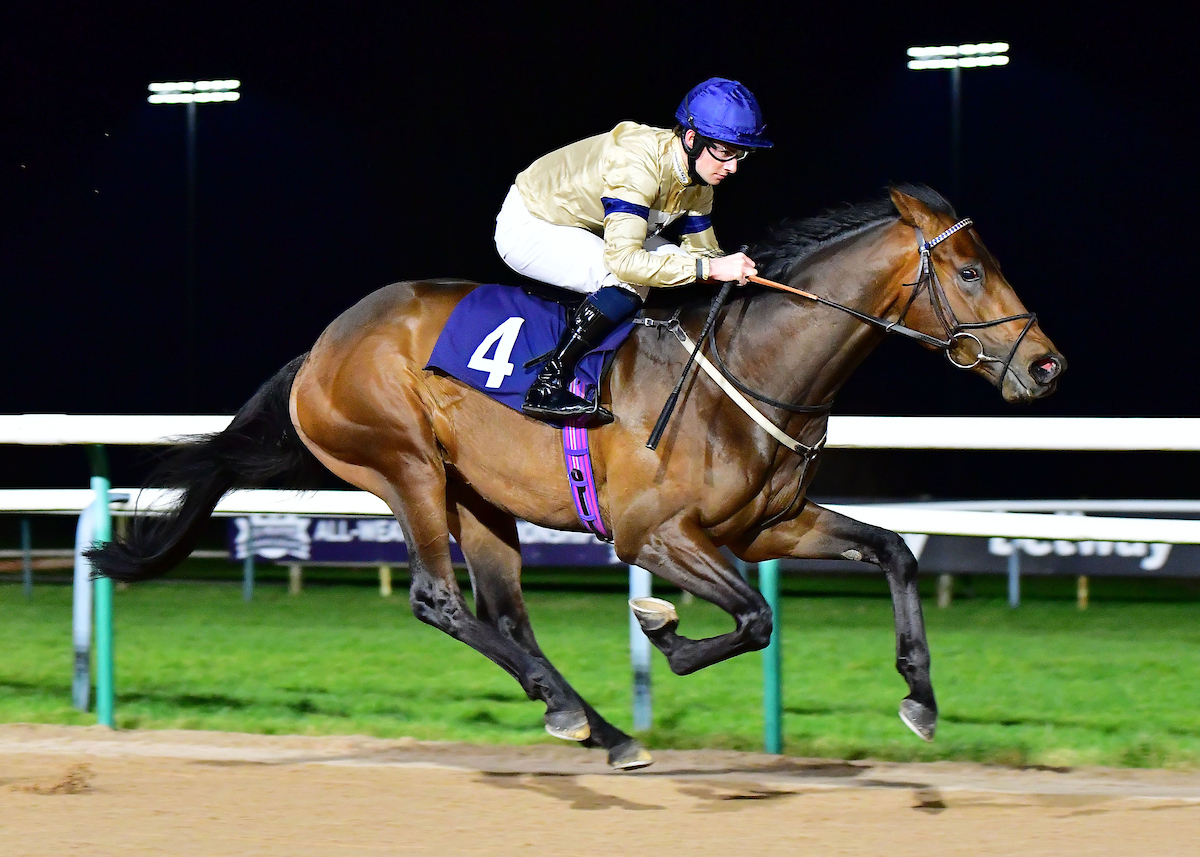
(714, 166)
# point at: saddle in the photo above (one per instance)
(555, 294)
(494, 337)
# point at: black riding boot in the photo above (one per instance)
(549, 398)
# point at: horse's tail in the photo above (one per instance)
(259, 447)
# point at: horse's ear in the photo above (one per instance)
(913, 211)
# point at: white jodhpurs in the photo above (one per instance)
(565, 256)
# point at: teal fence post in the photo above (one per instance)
(102, 532)
(248, 575)
(768, 585)
(26, 558)
(1014, 578)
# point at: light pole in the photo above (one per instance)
(956, 58)
(191, 93)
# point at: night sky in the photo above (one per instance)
(373, 144)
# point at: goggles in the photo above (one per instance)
(723, 152)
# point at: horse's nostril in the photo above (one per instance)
(1045, 369)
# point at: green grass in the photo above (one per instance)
(1044, 684)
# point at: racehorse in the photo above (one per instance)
(450, 461)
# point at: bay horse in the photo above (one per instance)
(449, 461)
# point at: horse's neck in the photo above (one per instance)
(800, 352)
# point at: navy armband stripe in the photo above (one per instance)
(613, 205)
(694, 223)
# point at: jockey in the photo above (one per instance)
(587, 218)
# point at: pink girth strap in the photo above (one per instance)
(579, 473)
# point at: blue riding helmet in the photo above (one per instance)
(724, 110)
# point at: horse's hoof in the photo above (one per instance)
(629, 756)
(568, 725)
(654, 614)
(921, 719)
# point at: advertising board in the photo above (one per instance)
(344, 540)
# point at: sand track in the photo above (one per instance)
(91, 791)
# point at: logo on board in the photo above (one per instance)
(272, 537)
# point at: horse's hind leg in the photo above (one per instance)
(488, 537)
(434, 594)
(818, 533)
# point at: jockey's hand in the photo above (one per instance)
(733, 268)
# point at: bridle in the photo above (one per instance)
(955, 330)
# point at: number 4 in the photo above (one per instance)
(497, 366)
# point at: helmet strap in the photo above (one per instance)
(693, 152)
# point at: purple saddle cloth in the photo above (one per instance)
(495, 330)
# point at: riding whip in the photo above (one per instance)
(669, 407)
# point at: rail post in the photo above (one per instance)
(768, 585)
(1014, 578)
(82, 607)
(945, 590)
(103, 591)
(640, 586)
(26, 559)
(248, 575)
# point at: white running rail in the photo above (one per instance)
(1149, 434)
(1009, 519)
(900, 517)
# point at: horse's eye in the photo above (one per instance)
(970, 274)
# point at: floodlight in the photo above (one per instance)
(958, 56)
(194, 91)
(961, 62)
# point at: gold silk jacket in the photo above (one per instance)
(624, 185)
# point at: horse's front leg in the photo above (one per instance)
(818, 533)
(679, 552)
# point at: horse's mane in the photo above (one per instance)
(788, 244)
